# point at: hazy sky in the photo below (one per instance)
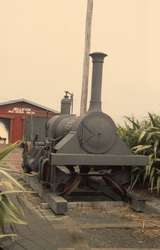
(42, 44)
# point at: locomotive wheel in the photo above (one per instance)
(44, 170)
(72, 185)
(67, 187)
(116, 186)
(40, 167)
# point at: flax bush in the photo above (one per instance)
(10, 214)
(143, 137)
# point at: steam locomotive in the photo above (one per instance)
(83, 153)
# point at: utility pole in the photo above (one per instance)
(85, 76)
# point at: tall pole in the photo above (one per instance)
(85, 76)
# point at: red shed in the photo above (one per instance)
(21, 119)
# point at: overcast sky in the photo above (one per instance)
(42, 44)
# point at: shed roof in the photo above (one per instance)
(29, 102)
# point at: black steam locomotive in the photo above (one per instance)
(83, 153)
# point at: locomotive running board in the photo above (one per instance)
(60, 159)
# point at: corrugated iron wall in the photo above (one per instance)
(35, 126)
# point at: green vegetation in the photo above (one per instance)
(10, 214)
(143, 137)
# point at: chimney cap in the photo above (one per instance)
(98, 56)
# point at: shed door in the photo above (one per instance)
(17, 129)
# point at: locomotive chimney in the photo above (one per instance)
(97, 59)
